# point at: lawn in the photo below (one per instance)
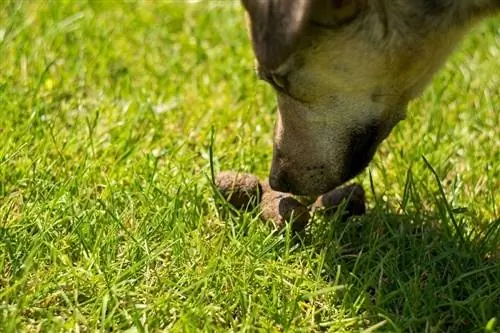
(109, 114)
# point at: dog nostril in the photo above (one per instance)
(279, 182)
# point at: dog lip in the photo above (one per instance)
(314, 191)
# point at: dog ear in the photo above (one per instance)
(275, 26)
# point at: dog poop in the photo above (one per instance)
(354, 204)
(282, 208)
(239, 189)
(244, 190)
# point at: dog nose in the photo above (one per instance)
(279, 181)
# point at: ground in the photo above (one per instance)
(111, 117)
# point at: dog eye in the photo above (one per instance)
(279, 82)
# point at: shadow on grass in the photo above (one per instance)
(425, 267)
(418, 270)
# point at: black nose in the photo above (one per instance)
(279, 181)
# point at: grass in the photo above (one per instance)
(108, 220)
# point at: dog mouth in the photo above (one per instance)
(363, 144)
(306, 183)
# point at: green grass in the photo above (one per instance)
(108, 220)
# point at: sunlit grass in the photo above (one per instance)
(107, 216)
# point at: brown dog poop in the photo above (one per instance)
(350, 197)
(240, 189)
(244, 190)
(281, 208)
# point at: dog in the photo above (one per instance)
(344, 72)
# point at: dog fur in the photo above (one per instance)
(344, 72)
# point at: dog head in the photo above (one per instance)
(344, 72)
